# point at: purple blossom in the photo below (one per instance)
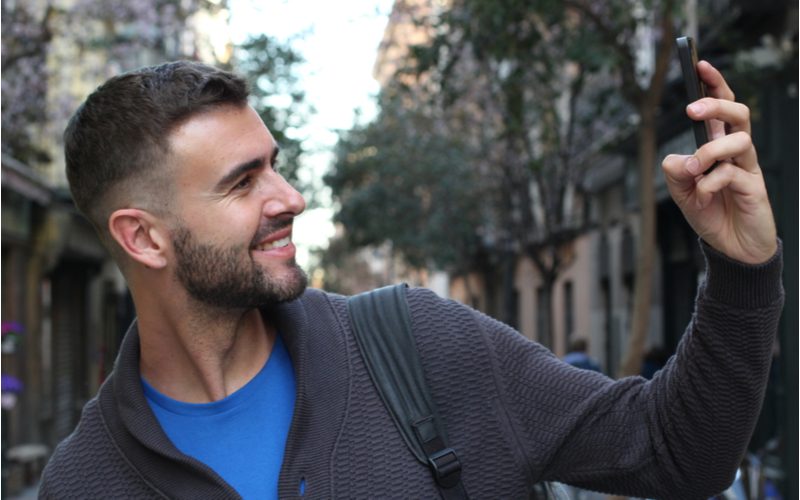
(12, 327)
(12, 384)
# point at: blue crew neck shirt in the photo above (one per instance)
(242, 437)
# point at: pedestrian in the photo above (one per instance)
(578, 356)
(654, 359)
(236, 380)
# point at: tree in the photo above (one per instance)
(114, 36)
(39, 90)
(619, 26)
(399, 179)
(518, 70)
(276, 95)
(26, 35)
(529, 46)
(509, 83)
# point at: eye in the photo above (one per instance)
(243, 183)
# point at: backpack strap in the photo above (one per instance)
(382, 327)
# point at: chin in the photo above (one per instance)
(292, 286)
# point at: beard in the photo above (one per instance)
(218, 276)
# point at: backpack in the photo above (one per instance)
(382, 327)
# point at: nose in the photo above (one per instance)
(283, 199)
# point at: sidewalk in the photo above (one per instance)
(29, 493)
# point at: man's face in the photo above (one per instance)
(234, 212)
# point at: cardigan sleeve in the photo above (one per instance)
(680, 435)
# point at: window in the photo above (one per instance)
(543, 333)
(569, 312)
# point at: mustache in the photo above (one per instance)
(271, 226)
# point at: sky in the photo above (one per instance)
(339, 41)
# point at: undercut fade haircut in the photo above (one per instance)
(116, 145)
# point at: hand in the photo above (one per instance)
(727, 207)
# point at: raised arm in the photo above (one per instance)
(728, 206)
(682, 434)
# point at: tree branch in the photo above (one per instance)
(663, 54)
(628, 67)
(40, 42)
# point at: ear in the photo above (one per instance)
(140, 235)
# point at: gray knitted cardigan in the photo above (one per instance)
(515, 414)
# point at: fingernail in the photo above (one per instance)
(693, 165)
(697, 108)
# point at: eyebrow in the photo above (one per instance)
(245, 167)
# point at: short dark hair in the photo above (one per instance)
(578, 345)
(116, 145)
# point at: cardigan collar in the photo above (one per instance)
(309, 327)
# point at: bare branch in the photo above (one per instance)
(627, 69)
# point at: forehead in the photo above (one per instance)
(211, 142)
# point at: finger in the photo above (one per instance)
(736, 148)
(726, 175)
(674, 167)
(680, 183)
(735, 114)
(705, 189)
(715, 82)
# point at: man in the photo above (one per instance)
(236, 380)
(578, 356)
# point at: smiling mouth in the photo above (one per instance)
(281, 243)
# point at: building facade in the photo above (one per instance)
(65, 306)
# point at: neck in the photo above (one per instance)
(203, 354)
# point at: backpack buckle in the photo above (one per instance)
(446, 467)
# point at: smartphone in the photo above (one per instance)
(695, 88)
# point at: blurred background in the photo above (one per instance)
(505, 154)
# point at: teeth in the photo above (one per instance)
(276, 244)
